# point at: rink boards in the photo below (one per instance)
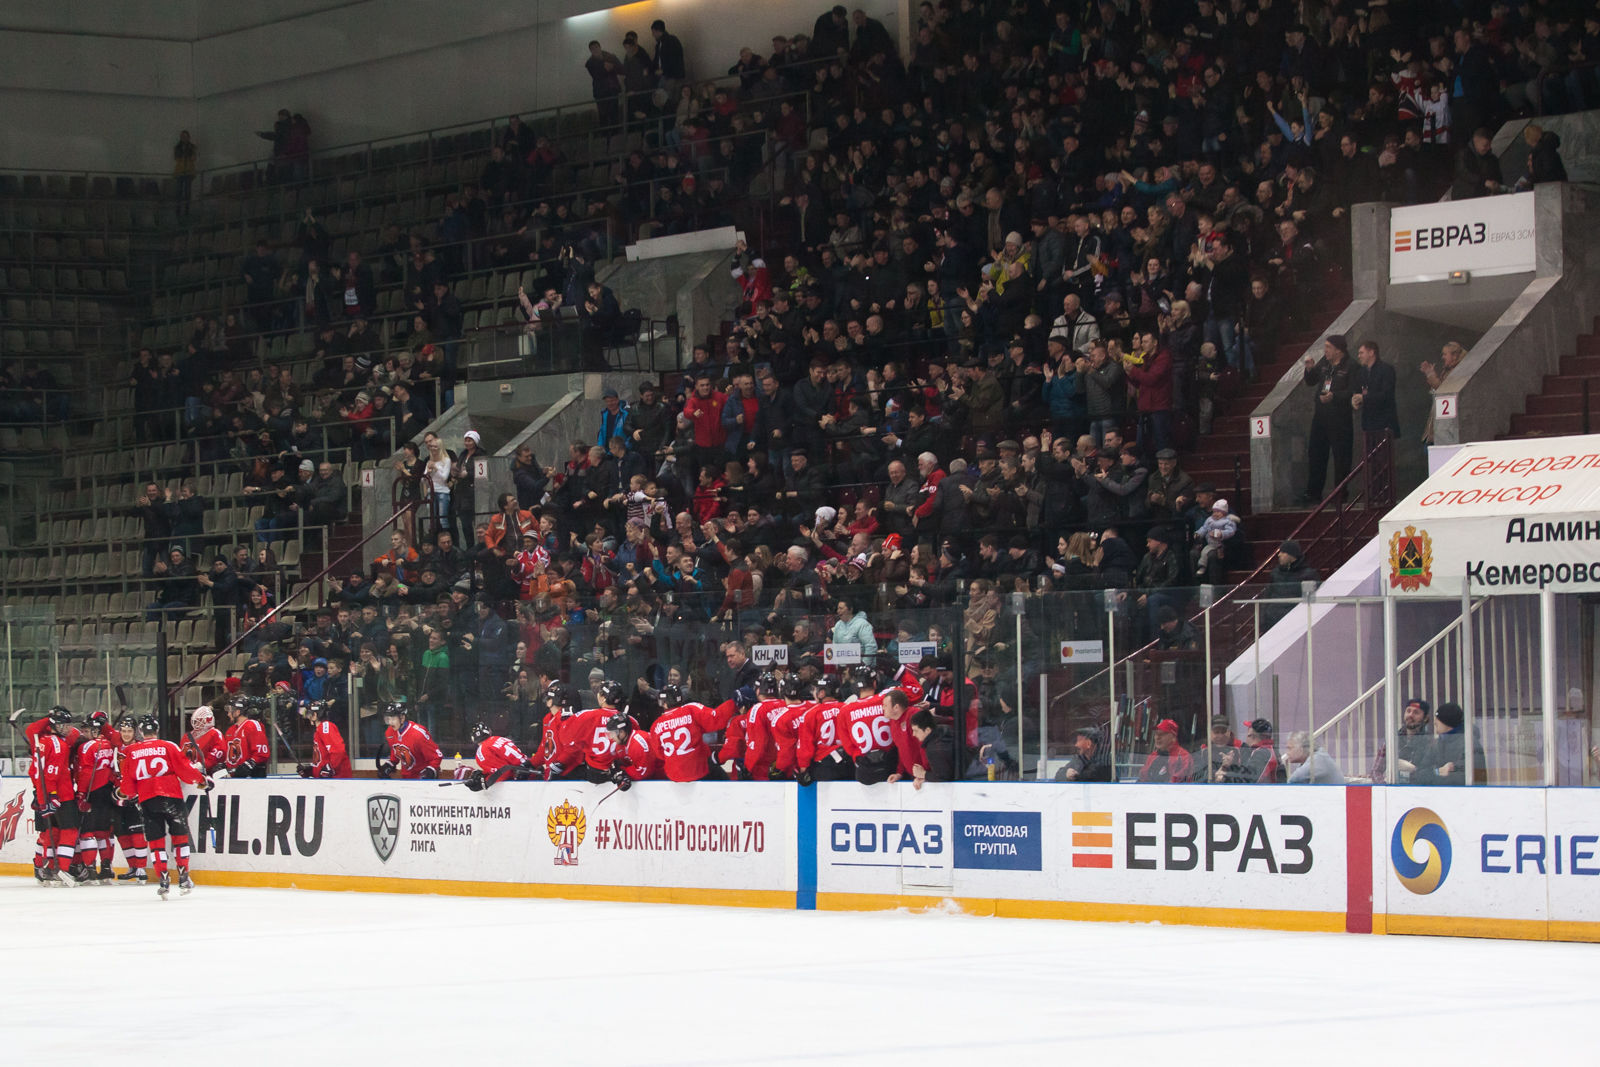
(1492, 862)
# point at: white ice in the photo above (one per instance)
(232, 977)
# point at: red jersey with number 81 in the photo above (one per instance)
(156, 768)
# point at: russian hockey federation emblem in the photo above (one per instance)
(1410, 560)
(383, 823)
(10, 817)
(566, 826)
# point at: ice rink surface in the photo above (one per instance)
(274, 976)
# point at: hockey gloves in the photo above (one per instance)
(304, 770)
(474, 781)
(805, 778)
(385, 769)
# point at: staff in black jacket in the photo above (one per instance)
(1332, 430)
(1375, 396)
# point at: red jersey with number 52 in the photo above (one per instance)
(678, 738)
(156, 768)
(864, 727)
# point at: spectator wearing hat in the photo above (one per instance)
(1211, 541)
(1286, 582)
(1169, 762)
(1161, 573)
(1209, 758)
(613, 416)
(1090, 762)
(1256, 763)
(1175, 633)
(1444, 761)
(1103, 382)
(1333, 382)
(1169, 489)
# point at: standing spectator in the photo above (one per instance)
(1102, 379)
(279, 136)
(605, 75)
(1452, 354)
(185, 162)
(668, 59)
(1477, 169)
(260, 278)
(1154, 381)
(831, 34)
(1332, 432)
(1374, 397)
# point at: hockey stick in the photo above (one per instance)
(607, 797)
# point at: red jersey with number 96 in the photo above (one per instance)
(156, 768)
(864, 727)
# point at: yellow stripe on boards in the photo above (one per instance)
(1078, 911)
(1461, 926)
(626, 894)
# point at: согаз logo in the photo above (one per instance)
(1423, 877)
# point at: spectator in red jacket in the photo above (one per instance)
(1154, 379)
(1170, 762)
(704, 409)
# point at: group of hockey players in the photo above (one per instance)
(99, 786)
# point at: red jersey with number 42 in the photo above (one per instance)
(156, 768)
(412, 750)
(206, 749)
(330, 758)
(678, 738)
(497, 752)
(864, 726)
(246, 741)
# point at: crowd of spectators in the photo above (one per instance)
(1000, 288)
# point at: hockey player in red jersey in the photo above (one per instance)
(588, 729)
(329, 759)
(776, 730)
(818, 752)
(95, 767)
(247, 754)
(632, 760)
(677, 737)
(865, 732)
(158, 769)
(127, 822)
(412, 752)
(55, 799)
(746, 743)
(908, 750)
(204, 744)
(498, 759)
(561, 750)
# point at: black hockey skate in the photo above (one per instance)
(106, 876)
(75, 875)
(185, 883)
(133, 876)
(165, 886)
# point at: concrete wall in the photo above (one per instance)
(1580, 145)
(1527, 342)
(1278, 463)
(107, 85)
